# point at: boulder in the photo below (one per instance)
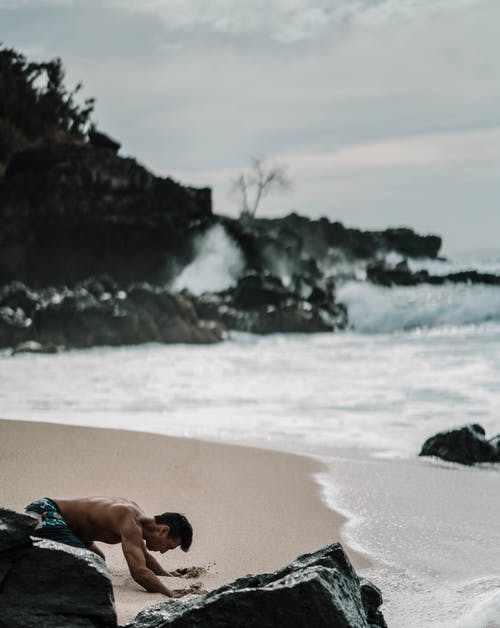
(31, 346)
(372, 601)
(317, 590)
(96, 312)
(259, 291)
(260, 304)
(143, 314)
(18, 296)
(14, 326)
(466, 445)
(15, 529)
(43, 583)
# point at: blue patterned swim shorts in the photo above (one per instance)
(51, 524)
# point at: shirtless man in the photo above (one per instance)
(80, 522)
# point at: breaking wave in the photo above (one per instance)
(217, 264)
(378, 309)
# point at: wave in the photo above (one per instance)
(482, 264)
(217, 264)
(377, 309)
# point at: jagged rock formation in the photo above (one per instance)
(43, 583)
(69, 211)
(96, 312)
(319, 589)
(401, 275)
(72, 211)
(261, 304)
(299, 243)
(466, 445)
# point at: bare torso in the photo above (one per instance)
(99, 518)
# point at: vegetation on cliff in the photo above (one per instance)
(35, 104)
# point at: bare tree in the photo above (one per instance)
(256, 182)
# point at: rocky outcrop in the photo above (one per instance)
(43, 583)
(96, 312)
(319, 589)
(401, 275)
(69, 211)
(261, 304)
(295, 243)
(75, 211)
(466, 445)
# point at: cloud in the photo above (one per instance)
(431, 150)
(284, 21)
(289, 21)
(37, 4)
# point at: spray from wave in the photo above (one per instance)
(377, 309)
(217, 265)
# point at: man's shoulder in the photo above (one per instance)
(127, 513)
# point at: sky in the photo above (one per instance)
(385, 112)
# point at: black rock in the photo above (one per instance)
(466, 445)
(15, 529)
(18, 296)
(101, 140)
(143, 314)
(69, 211)
(48, 584)
(31, 346)
(258, 291)
(318, 590)
(14, 326)
(401, 275)
(372, 600)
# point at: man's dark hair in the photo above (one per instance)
(179, 528)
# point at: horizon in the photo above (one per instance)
(385, 112)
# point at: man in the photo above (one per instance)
(80, 522)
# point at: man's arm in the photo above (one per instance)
(93, 548)
(132, 546)
(153, 564)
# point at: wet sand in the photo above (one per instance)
(252, 510)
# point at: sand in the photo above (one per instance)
(252, 510)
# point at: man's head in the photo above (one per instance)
(179, 528)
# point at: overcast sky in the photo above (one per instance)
(387, 112)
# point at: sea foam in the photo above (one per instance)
(217, 265)
(378, 309)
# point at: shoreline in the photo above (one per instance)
(253, 510)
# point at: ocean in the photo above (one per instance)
(416, 361)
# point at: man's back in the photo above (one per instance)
(99, 518)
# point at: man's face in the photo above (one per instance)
(159, 541)
(169, 543)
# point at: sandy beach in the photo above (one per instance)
(252, 510)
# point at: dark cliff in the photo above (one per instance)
(71, 210)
